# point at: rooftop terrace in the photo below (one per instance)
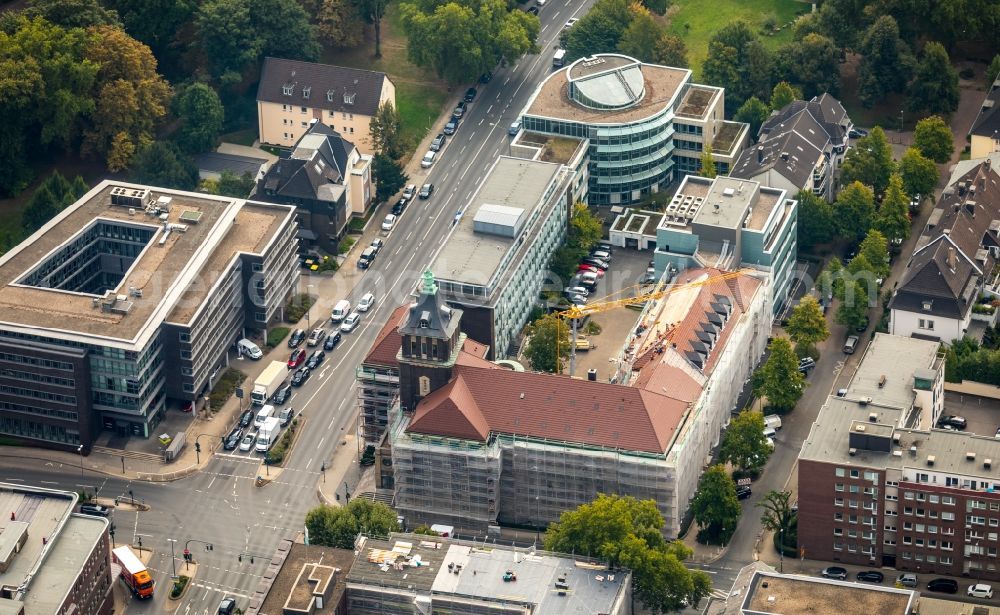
(697, 100)
(795, 595)
(723, 201)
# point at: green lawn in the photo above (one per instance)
(420, 95)
(696, 21)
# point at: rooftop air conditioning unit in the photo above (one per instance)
(930, 460)
(852, 452)
(970, 456)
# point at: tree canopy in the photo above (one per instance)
(755, 113)
(73, 13)
(875, 249)
(853, 309)
(548, 335)
(53, 195)
(812, 63)
(339, 526)
(162, 163)
(386, 131)
(816, 221)
(202, 116)
(893, 217)
(744, 444)
(715, 507)
(783, 95)
(935, 83)
(738, 61)
(919, 173)
(780, 379)
(807, 325)
(869, 161)
(603, 28)
(777, 513)
(934, 139)
(854, 211)
(626, 532)
(707, 163)
(886, 63)
(388, 175)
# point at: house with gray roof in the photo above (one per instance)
(327, 179)
(292, 94)
(953, 268)
(800, 147)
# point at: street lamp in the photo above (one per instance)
(781, 549)
(79, 449)
(309, 308)
(900, 120)
(173, 561)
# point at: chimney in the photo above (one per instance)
(970, 208)
(952, 258)
(760, 154)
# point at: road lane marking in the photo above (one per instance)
(488, 110)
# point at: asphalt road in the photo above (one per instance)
(221, 505)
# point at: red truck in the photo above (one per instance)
(133, 572)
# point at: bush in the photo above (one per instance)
(297, 307)
(345, 245)
(225, 388)
(276, 335)
(276, 456)
(592, 328)
(791, 539)
(770, 23)
(178, 588)
(356, 225)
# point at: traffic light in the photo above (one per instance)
(209, 547)
(240, 557)
(187, 555)
(197, 447)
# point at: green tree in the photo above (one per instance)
(549, 335)
(460, 42)
(934, 139)
(670, 50)
(893, 217)
(162, 25)
(386, 131)
(338, 22)
(738, 61)
(783, 95)
(992, 72)
(816, 222)
(235, 35)
(73, 13)
(202, 116)
(372, 11)
(854, 211)
(875, 248)
(585, 229)
(744, 444)
(641, 36)
(935, 83)
(237, 186)
(843, 21)
(53, 195)
(389, 177)
(869, 161)
(707, 168)
(919, 173)
(339, 526)
(163, 164)
(886, 63)
(812, 62)
(601, 30)
(807, 325)
(780, 379)
(853, 309)
(715, 507)
(627, 533)
(755, 113)
(777, 513)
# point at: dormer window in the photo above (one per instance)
(305, 91)
(349, 98)
(927, 305)
(425, 320)
(329, 95)
(287, 89)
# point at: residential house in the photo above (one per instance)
(292, 94)
(983, 135)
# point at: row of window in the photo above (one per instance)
(868, 475)
(929, 558)
(932, 498)
(36, 377)
(53, 412)
(22, 392)
(864, 519)
(36, 361)
(933, 514)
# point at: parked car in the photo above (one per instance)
(585, 267)
(470, 95)
(350, 322)
(426, 191)
(378, 244)
(514, 128)
(601, 254)
(857, 133)
(486, 77)
(438, 142)
(958, 422)
(286, 416)
(246, 418)
(400, 206)
(315, 359)
(532, 10)
(871, 576)
(409, 191)
(575, 290)
(300, 376)
(249, 349)
(571, 23)
(233, 439)
(227, 606)
(459, 110)
(389, 222)
(907, 579)
(282, 395)
(980, 590)
(94, 510)
(366, 302)
(331, 341)
(428, 160)
(596, 262)
(297, 358)
(316, 336)
(835, 572)
(367, 257)
(945, 586)
(450, 127)
(806, 364)
(743, 492)
(851, 344)
(296, 338)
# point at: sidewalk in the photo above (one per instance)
(344, 475)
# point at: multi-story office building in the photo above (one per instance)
(51, 559)
(475, 445)
(129, 297)
(493, 263)
(292, 94)
(879, 485)
(645, 124)
(727, 223)
(410, 574)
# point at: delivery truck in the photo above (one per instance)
(268, 434)
(268, 382)
(134, 572)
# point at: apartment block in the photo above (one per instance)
(131, 297)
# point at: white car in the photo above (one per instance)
(409, 191)
(571, 23)
(389, 222)
(428, 160)
(366, 302)
(247, 442)
(249, 349)
(980, 590)
(350, 322)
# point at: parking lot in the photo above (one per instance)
(982, 413)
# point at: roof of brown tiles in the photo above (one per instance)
(456, 413)
(477, 349)
(386, 346)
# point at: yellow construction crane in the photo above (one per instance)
(576, 312)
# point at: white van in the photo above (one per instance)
(589, 276)
(559, 59)
(341, 310)
(769, 432)
(773, 421)
(262, 415)
(428, 160)
(249, 349)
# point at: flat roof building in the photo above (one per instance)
(640, 122)
(303, 578)
(408, 571)
(492, 265)
(52, 560)
(129, 297)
